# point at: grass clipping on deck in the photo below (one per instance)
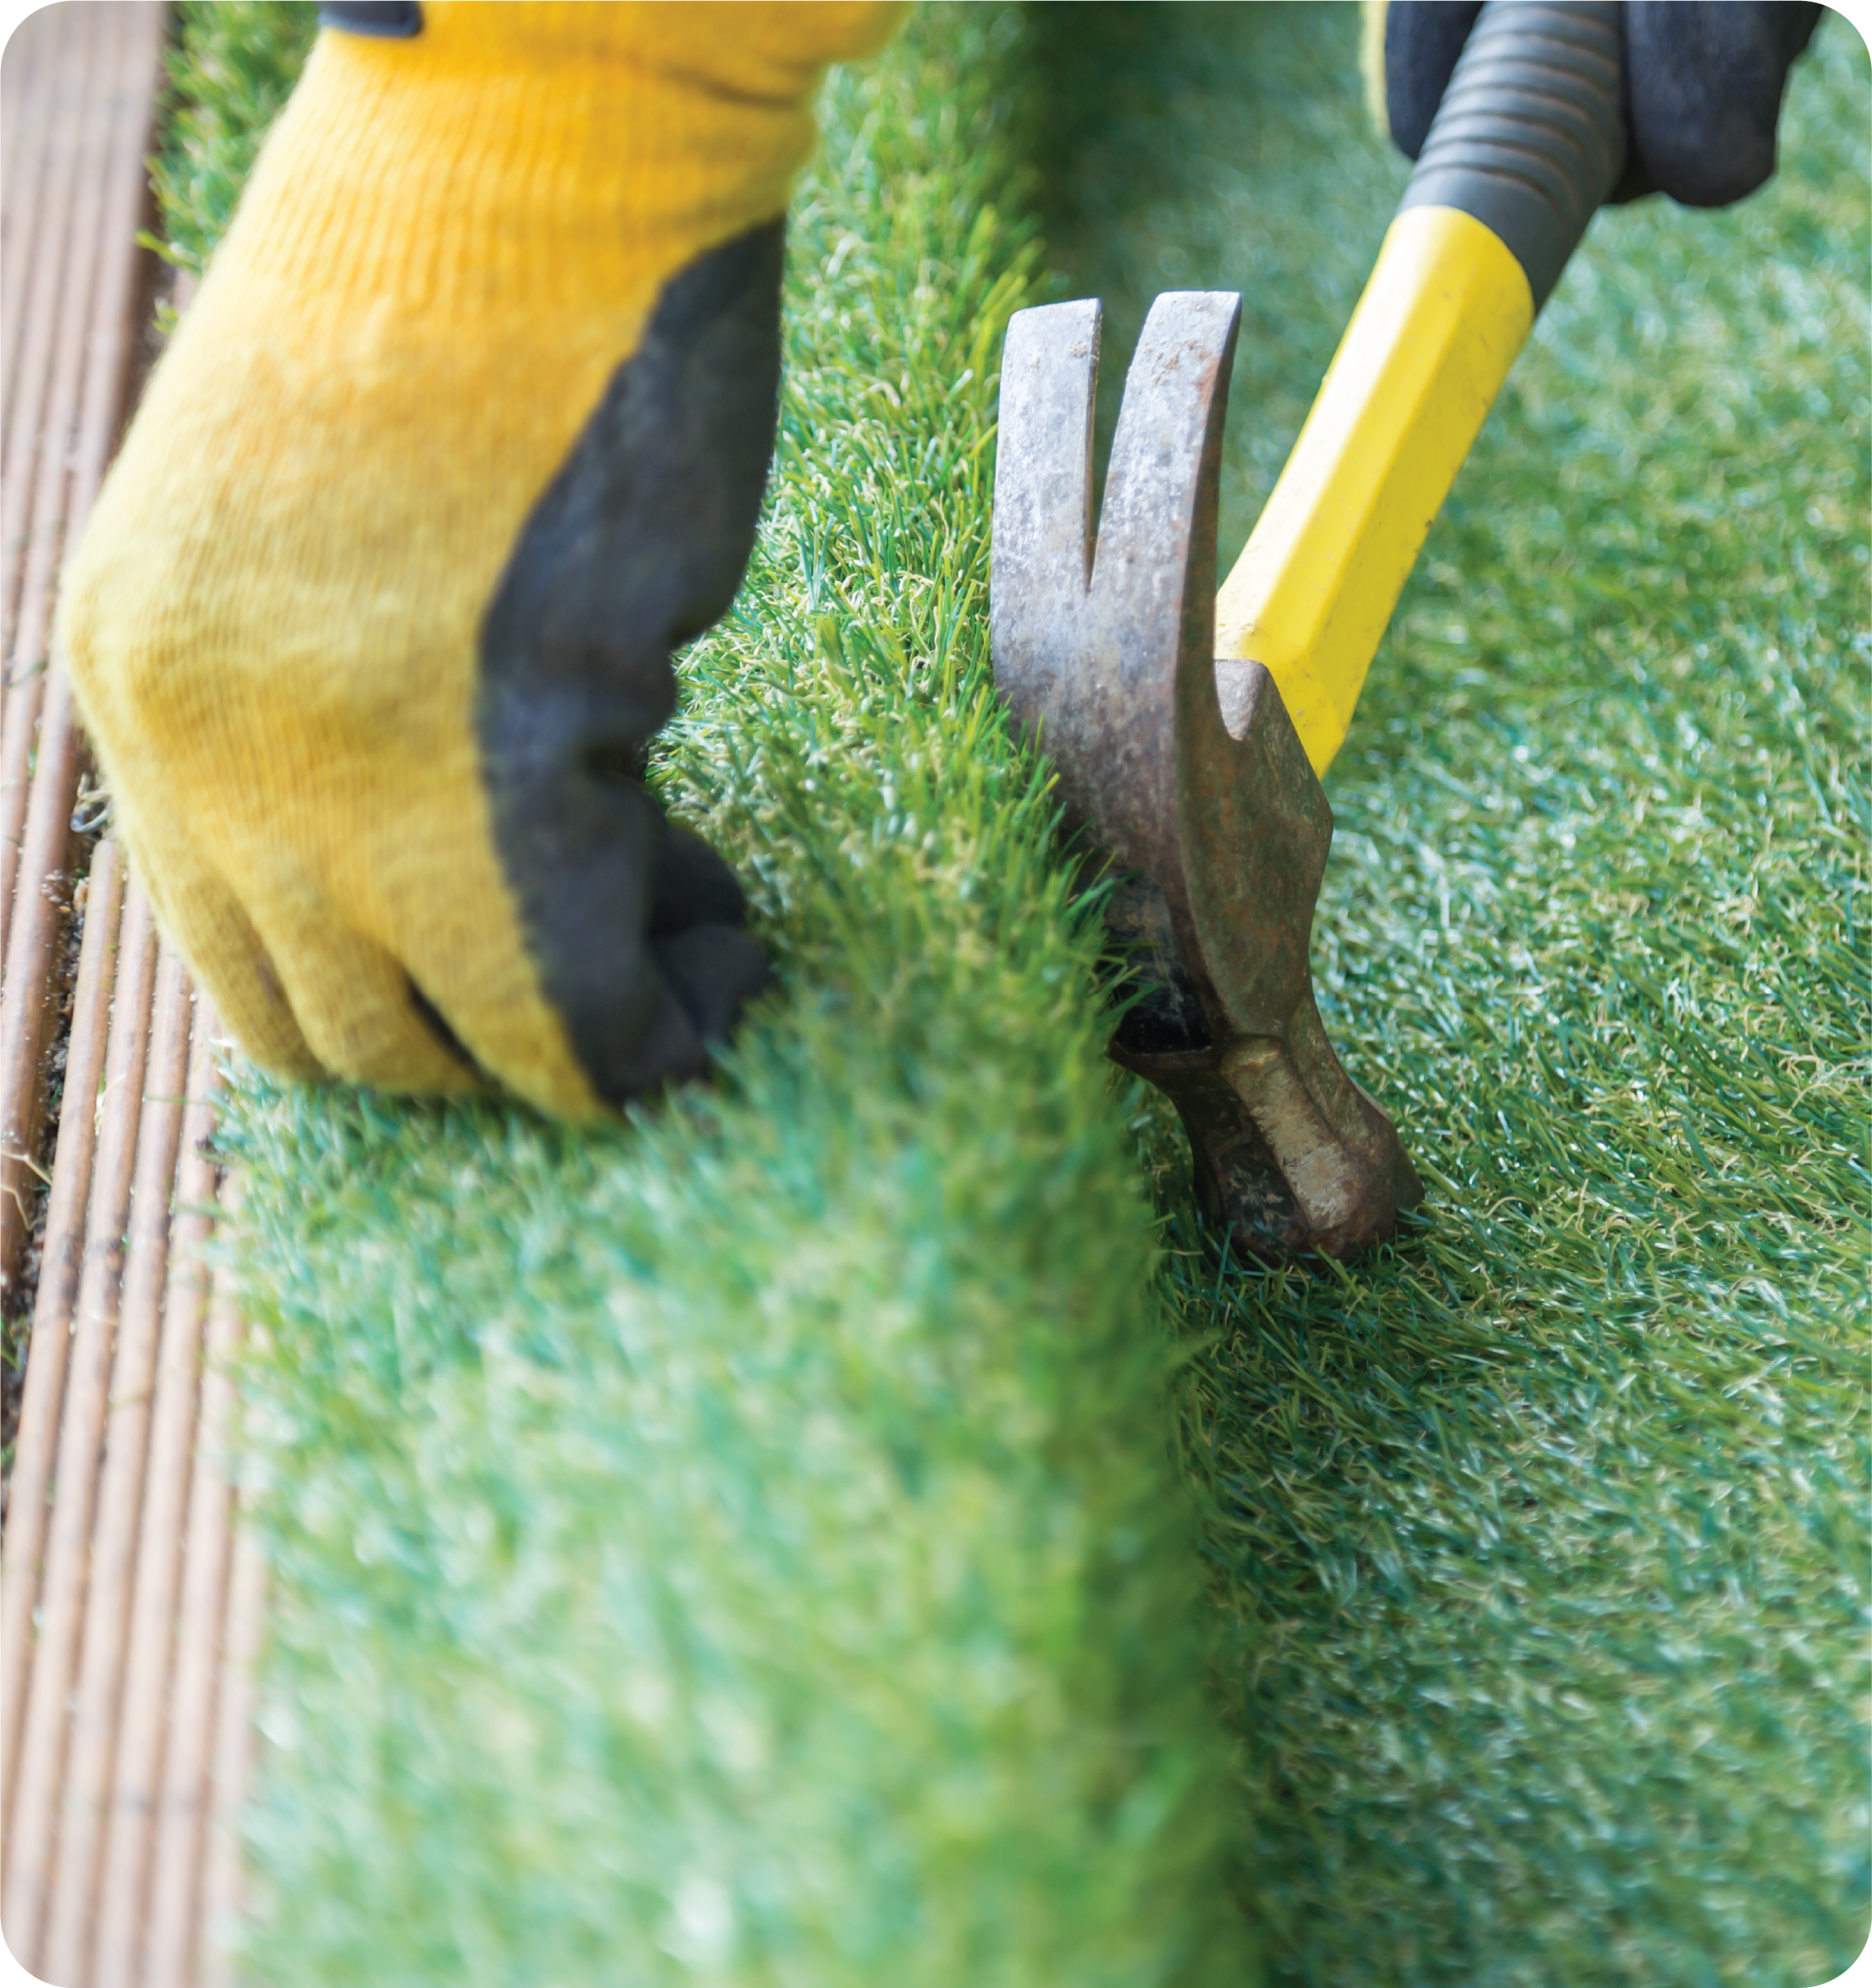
(744, 1546)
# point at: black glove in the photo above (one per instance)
(1704, 84)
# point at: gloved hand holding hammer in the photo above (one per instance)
(1189, 725)
(1704, 83)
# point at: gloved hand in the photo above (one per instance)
(1704, 79)
(466, 430)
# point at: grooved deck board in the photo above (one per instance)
(130, 1599)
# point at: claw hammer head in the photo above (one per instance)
(1185, 772)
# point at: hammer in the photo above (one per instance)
(1188, 732)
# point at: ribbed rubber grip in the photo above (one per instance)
(1530, 136)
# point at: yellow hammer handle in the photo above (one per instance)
(1527, 142)
(1445, 312)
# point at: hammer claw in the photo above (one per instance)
(1188, 775)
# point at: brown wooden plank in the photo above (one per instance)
(117, 1527)
(36, 478)
(36, 1784)
(135, 1814)
(63, 37)
(110, 119)
(63, 1261)
(27, 202)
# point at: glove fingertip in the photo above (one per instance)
(714, 971)
(1420, 43)
(690, 884)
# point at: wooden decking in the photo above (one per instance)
(129, 1600)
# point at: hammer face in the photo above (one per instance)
(1186, 773)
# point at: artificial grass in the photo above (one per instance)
(740, 1545)
(1543, 1537)
(745, 1546)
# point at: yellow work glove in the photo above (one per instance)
(466, 430)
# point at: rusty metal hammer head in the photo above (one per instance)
(1186, 772)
